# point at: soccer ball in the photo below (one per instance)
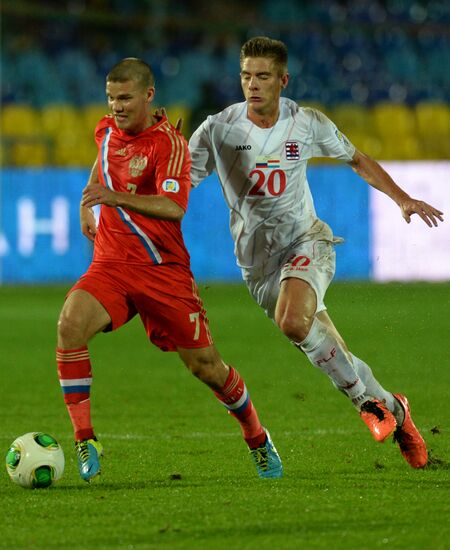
(35, 460)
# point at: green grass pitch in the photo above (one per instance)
(176, 473)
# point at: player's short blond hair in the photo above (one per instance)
(132, 68)
(263, 46)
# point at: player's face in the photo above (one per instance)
(262, 84)
(129, 102)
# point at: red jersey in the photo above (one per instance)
(153, 162)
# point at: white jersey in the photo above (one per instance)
(262, 172)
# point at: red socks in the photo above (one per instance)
(75, 377)
(235, 397)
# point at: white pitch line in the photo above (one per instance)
(221, 435)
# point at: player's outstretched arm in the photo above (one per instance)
(374, 175)
(87, 219)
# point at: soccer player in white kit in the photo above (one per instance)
(260, 149)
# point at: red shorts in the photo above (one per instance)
(165, 297)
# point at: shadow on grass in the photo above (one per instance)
(128, 485)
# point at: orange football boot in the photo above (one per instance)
(407, 436)
(378, 418)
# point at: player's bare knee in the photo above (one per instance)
(71, 331)
(295, 327)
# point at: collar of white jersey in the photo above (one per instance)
(238, 111)
(288, 109)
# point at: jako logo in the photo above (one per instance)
(242, 147)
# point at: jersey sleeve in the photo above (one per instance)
(172, 167)
(327, 140)
(201, 154)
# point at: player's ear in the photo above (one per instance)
(150, 94)
(284, 80)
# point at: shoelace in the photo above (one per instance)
(82, 451)
(261, 457)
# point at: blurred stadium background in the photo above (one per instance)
(379, 69)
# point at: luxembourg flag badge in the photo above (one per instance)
(267, 162)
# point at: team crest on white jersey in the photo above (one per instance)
(137, 165)
(170, 186)
(292, 149)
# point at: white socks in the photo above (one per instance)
(354, 378)
(325, 353)
(373, 387)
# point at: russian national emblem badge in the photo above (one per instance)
(137, 165)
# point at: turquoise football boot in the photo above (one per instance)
(267, 460)
(89, 452)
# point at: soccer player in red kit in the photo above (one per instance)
(141, 179)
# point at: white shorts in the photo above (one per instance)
(313, 261)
